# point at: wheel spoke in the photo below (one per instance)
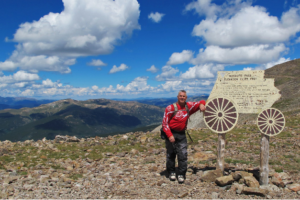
(210, 112)
(230, 113)
(215, 106)
(228, 108)
(229, 121)
(214, 109)
(212, 120)
(264, 115)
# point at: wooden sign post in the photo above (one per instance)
(270, 122)
(221, 151)
(264, 160)
(220, 117)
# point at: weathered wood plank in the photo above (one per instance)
(221, 151)
(264, 160)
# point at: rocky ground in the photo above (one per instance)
(133, 166)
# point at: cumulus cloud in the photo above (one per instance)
(83, 28)
(116, 69)
(20, 76)
(138, 85)
(202, 71)
(179, 58)
(152, 69)
(168, 73)
(155, 17)
(248, 25)
(97, 63)
(258, 54)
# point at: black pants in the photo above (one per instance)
(180, 150)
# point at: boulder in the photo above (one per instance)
(294, 187)
(250, 181)
(255, 191)
(212, 175)
(277, 181)
(224, 180)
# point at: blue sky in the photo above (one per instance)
(53, 49)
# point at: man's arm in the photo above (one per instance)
(166, 120)
(195, 106)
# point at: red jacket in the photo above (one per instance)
(179, 121)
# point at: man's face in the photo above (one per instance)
(181, 97)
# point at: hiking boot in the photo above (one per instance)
(180, 178)
(172, 176)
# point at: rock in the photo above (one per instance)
(61, 138)
(224, 180)
(134, 151)
(255, 191)
(3, 151)
(236, 176)
(183, 194)
(69, 168)
(10, 179)
(214, 195)
(159, 183)
(250, 181)
(269, 197)
(240, 174)
(270, 188)
(283, 176)
(277, 181)
(144, 139)
(189, 172)
(294, 187)
(121, 154)
(211, 175)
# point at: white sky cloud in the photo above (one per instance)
(247, 26)
(202, 71)
(152, 69)
(179, 58)
(97, 63)
(115, 69)
(156, 17)
(168, 73)
(258, 54)
(19, 76)
(83, 28)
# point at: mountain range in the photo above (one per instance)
(96, 117)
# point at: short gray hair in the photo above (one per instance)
(182, 91)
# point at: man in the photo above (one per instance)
(174, 126)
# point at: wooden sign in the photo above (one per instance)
(220, 115)
(271, 122)
(251, 92)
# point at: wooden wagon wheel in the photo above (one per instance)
(271, 122)
(220, 115)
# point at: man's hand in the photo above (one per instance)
(202, 107)
(172, 139)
